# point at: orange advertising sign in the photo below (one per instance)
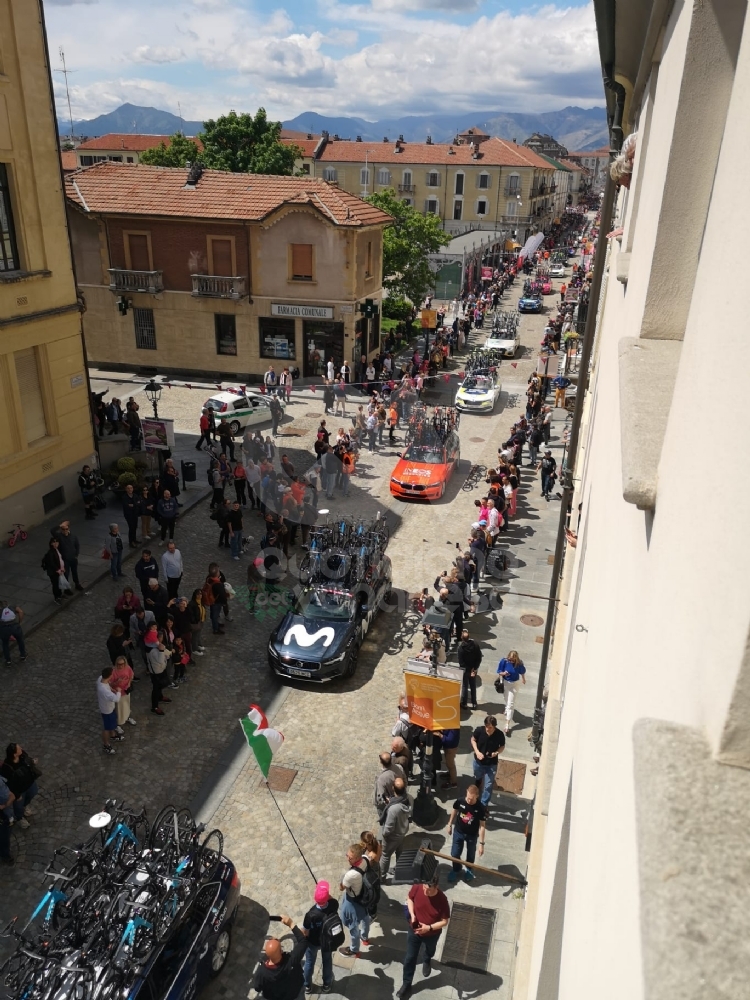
(433, 702)
(429, 319)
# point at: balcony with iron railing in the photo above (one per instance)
(122, 280)
(512, 190)
(216, 286)
(406, 189)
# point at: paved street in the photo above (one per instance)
(333, 733)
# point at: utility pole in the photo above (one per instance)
(65, 72)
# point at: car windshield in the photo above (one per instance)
(425, 454)
(334, 604)
(218, 404)
(480, 382)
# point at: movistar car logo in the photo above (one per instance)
(305, 639)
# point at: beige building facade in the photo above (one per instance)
(221, 274)
(45, 424)
(118, 147)
(638, 885)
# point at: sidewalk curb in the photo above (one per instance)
(55, 609)
(218, 782)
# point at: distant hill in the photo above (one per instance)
(576, 128)
(129, 119)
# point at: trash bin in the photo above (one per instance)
(188, 472)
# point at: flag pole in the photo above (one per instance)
(296, 844)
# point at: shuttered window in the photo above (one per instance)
(138, 248)
(30, 389)
(431, 205)
(483, 181)
(222, 258)
(433, 179)
(8, 248)
(330, 174)
(384, 177)
(302, 262)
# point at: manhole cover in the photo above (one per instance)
(510, 776)
(280, 778)
(291, 433)
(469, 937)
(478, 440)
(534, 620)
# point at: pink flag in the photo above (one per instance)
(514, 364)
(312, 388)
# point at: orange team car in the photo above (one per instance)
(423, 471)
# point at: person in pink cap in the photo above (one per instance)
(325, 933)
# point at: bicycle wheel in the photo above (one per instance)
(210, 853)
(162, 832)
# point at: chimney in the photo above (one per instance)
(324, 134)
(309, 135)
(335, 137)
(195, 172)
(513, 140)
(385, 138)
(359, 138)
(401, 138)
(429, 140)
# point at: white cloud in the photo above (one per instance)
(538, 60)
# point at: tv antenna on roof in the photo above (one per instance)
(65, 72)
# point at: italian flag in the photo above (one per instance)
(263, 741)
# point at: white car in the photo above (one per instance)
(508, 344)
(478, 392)
(557, 271)
(240, 409)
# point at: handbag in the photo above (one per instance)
(499, 685)
(64, 582)
(106, 554)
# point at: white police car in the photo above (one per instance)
(241, 409)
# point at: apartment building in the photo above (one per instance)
(206, 273)
(119, 147)
(638, 885)
(476, 182)
(45, 425)
(597, 163)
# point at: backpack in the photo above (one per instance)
(369, 894)
(331, 932)
(207, 593)
(210, 475)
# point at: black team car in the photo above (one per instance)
(345, 579)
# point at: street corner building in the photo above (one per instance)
(204, 273)
(45, 425)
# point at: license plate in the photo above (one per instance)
(298, 673)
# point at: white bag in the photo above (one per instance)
(64, 582)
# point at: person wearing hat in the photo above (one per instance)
(10, 628)
(312, 923)
(547, 465)
(429, 913)
(279, 975)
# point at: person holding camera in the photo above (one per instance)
(279, 976)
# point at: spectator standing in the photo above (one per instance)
(127, 604)
(70, 549)
(488, 743)
(339, 392)
(158, 601)
(133, 421)
(197, 619)
(240, 481)
(10, 628)
(286, 383)
(354, 915)
(141, 622)
(270, 380)
(546, 423)
(234, 524)
(87, 486)
(182, 626)
(395, 824)
(216, 480)
(280, 976)
(171, 566)
(467, 825)
(171, 480)
(158, 661)
(7, 799)
(329, 397)
(119, 644)
(122, 681)
(205, 428)
(145, 568)
(319, 929)
(469, 660)
(114, 546)
(252, 474)
(429, 913)
(348, 463)
(547, 466)
(214, 595)
(108, 698)
(225, 438)
(384, 782)
(512, 671)
(276, 415)
(146, 507)
(131, 511)
(20, 772)
(167, 510)
(54, 566)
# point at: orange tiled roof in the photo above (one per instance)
(68, 159)
(604, 151)
(492, 152)
(131, 143)
(306, 145)
(111, 188)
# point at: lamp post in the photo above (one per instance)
(153, 393)
(426, 809)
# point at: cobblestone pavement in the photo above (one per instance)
(333, 733)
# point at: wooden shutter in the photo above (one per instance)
(138, 247)
(302, 260)
(222, 258)
(30, 390)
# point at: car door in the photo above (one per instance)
(257, 411)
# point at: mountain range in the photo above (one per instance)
(576, 128)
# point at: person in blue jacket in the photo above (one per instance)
(511, 670)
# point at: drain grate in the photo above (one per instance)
(533, 620)
(510, 776)
(469, 937)
(280, 778)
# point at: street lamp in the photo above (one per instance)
(153, 393)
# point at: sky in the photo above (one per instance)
(373, 58)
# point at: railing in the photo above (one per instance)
(121, 280)
(512, 190)
(552, 188)
(218, 287)
(406, 189)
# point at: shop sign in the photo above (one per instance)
(302, 312)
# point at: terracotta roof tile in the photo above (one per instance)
(133, 143)
(135, 189)
(492, 152)
(306, 145)
(68, 159)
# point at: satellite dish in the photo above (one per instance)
(99, 820)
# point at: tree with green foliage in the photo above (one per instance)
(246, 144)
(406, 245)
(178, 153)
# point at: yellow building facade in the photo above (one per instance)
(45, 424)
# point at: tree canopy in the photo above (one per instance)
(246, 144)
(179, 152)
(406, 245)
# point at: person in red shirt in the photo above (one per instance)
(205, 425)
(429, 913)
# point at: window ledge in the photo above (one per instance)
(623, 266)
(300, 281)
(684, 857)
(648, 370)
(10, 277)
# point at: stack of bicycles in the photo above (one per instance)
(346, 551)
(504, 324)
(483, 361)
(111, 901)
(424, 429)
